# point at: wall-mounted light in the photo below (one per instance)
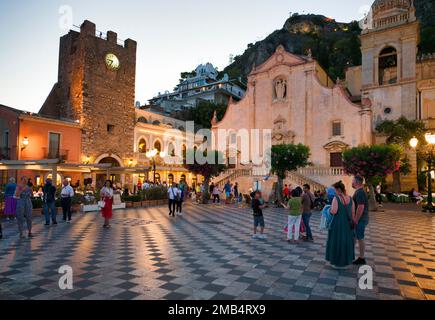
(130, 163)
(87, 159)
(24, 143)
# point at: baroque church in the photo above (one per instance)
(293, 97)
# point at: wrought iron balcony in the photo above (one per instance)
(60, 154)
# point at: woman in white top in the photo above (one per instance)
(106, 194)
(173, 196)
(216, 194)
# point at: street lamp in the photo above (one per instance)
(428, 155)
(152, 156)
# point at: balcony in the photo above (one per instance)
(5, 153)
(61, 154)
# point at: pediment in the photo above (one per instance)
(280, 57)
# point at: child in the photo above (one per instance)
(257, 206)
(294, 207)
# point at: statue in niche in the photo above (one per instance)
(280, 89)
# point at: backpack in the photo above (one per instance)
(326, 218)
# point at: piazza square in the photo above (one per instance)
(303, 169)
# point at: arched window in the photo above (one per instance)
(142, 119)
(171, 149)
(142, 146)
(388, 66)
(158, 145)
(156, 122)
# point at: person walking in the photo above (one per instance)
(257, 208)
(216, 194)
(23, 195)
(308, 201)
(286, 193)
(65, 199)
(173, 196)
(294, 206)
(227, 189)
(49, 199)
(361, 220)
(379, 194)
(10, 202)
(181, 194)
(339, 246)
(211, 189)
(106, 195)
(236, 191)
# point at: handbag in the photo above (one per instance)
(101, 204)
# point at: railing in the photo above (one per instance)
(321, 171)
(60, 154)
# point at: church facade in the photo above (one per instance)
(293, 97)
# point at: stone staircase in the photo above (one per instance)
(296, 178)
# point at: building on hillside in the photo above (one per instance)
(292, 96)
(202, 85)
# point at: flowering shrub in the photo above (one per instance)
(372, 162)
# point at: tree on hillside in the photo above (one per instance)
(400, 132)
(202, 113)
(208, 170)
(285, 158)
(373, 163)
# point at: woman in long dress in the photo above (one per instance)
(23, 194)
(10, 201)
(340, 246)
(106, 194)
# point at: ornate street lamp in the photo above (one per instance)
(152, 156)
(428, 154)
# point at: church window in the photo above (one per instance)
(336, 129)
(388, 66)
(336, 159)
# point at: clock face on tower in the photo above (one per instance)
(112, 61)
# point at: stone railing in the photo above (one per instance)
(300, 180)
(321, 171)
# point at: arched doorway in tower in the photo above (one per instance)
(101, 177)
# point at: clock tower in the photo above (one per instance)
(96, 88)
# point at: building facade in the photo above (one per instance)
(291, 96)
(202, 85)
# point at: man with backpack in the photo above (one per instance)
(49, 199)
(308, 201)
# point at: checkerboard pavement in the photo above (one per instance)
(209, 254)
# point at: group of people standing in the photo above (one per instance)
(231, 192)
(350, 219)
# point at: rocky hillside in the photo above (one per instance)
(335, 45)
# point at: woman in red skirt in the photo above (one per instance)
(107, 196)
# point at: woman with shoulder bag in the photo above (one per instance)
(340, 246)
(106, 195)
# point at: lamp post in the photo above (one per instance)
(152, 156)
(428, 155)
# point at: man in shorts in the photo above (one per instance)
(257, 206)
(361, 218)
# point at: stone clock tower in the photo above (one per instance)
(96, 87)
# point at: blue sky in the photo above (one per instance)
(173, 36)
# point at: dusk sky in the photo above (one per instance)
(173, 36)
